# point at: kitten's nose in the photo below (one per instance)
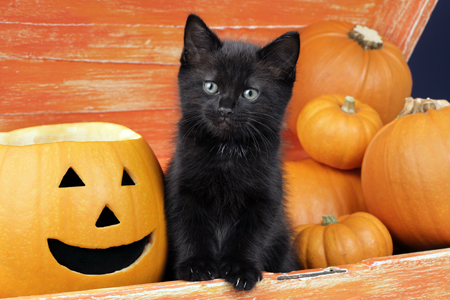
(225, 111)
(226, 106)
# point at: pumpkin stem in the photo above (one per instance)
(349, 105)
(419, 105)
(366, 37)
(328, 219)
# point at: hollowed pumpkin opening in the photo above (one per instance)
(73, 132)
(99, 261)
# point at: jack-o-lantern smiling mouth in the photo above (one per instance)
(99, 261)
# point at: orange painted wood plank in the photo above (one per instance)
(111, 43)
(70, 74)
(93, 42)
(174, 13)
(28, 85)
(422, 275)
(410, 16)
(36, 86)
(402, 22)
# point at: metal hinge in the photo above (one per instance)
(327, 271)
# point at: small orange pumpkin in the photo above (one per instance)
(336, 130)
(349, 239)
(314, 189)
(340, 58)
(405, 175)
(81, 207)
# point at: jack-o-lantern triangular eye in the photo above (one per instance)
(71, 179)
(126, 178)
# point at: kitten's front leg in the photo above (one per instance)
(193, 244)
(241, 263)
(195, 260)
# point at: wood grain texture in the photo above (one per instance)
(402, 22)
(422, 275)
(142, 17)
(107, 43)
(173, 13)
(96, 57)
(36, 86)
(100, 56)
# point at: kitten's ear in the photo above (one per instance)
(198, 38)
(282, 54)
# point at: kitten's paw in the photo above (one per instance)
(242, 275)
(197, 270)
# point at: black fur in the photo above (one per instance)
(224, 187)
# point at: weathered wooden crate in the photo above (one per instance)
(116, 61)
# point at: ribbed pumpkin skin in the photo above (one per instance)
(314, 189)
(405, 179)
(332, 63)
(334, 137)
(356, 237)
(33, 209)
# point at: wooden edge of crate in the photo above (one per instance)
(411, 276)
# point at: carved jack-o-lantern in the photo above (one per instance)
(81, 207)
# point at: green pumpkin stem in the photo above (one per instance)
(349, 105)
(368, 38)
(328, 219)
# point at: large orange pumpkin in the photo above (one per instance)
(81, 207)
(336, 130)
(337, 59)
(347, 240)
(405, 176)
(314, 189)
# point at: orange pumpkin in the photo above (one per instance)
(336, 130)
(347, 240)
(81, 207)
(341, 58)
(405, 175)
(314, 189)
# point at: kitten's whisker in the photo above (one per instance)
(263, 138)
(270, 130)
(199, 122)
(255, 140)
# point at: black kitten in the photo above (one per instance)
(224, 186)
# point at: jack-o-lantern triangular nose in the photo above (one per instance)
(107, 218)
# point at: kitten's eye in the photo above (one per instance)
(210, 87)
(251, 94)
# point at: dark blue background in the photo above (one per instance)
(430, 60)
